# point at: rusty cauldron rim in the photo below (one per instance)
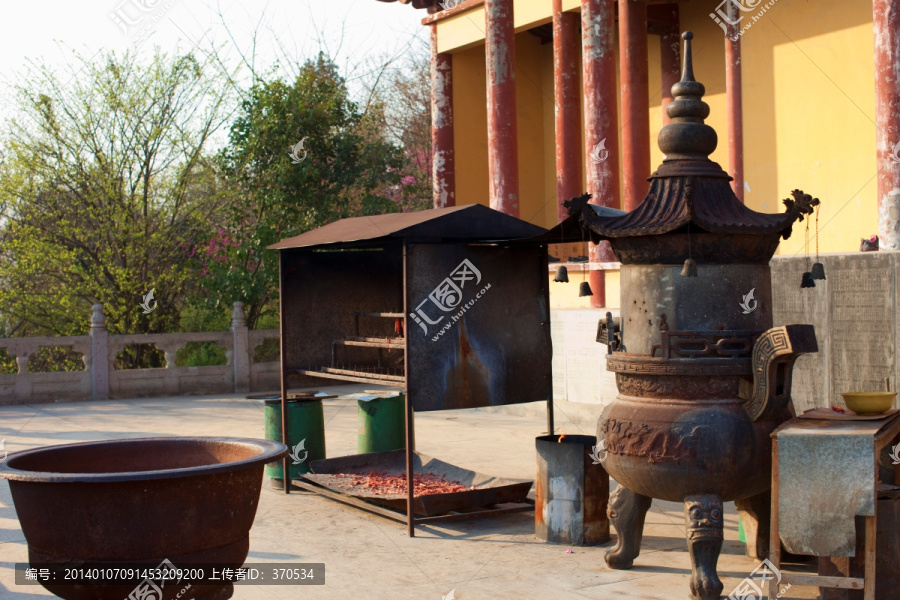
(268, 451)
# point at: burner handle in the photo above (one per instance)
(774, 354)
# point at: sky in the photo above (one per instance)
(352, 31)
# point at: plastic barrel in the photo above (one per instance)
(382, 423)
(306, 429)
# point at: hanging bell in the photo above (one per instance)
(690, 268)
(584, 289)
(562, 275)
(818, 271)
(807, 281)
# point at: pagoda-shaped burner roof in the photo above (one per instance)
(676, 201)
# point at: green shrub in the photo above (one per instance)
(201, 354)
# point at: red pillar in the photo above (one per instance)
(503, 168)
(887, 119)
(601, 135)
(635, 101)
(566, 96)
(733, 103)
(669, 54)
(442, 162)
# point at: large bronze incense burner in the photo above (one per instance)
(703, 377)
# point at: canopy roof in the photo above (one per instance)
(468, 223)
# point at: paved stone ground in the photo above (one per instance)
(369, 557)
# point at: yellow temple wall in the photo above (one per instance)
(808, 101)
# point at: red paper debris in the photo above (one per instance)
(424, 484)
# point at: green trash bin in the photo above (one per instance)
(306, 429)
(382, 422)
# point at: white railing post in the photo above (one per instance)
(241, 357)
(99, 355)
(22, 388)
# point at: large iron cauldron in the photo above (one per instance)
(139, 502)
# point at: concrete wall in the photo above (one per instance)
(579, 362)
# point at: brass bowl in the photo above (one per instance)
(869, 403)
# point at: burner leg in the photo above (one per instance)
(755, 512)
(626, 512)
(703, 520)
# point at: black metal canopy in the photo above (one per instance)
(468, 223)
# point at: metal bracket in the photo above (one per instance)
(610, 333)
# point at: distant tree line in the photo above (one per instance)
(126, 173)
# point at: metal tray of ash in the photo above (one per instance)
(380, 478)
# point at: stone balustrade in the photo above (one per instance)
(100, 379)
(856, 312)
